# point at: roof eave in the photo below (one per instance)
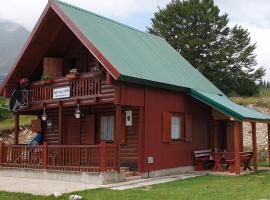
(144, 82)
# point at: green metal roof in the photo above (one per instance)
(146, 59)
(137, 56)
(223, 104)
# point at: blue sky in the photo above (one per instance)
(251, 14)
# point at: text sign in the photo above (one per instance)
(60, 93)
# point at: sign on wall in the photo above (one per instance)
(60, 93)
(129, 118)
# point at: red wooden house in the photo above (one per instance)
(109, 96)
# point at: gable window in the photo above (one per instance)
(107, 128)
(176, 127)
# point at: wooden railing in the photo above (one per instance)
(87, 158)
(84, 85)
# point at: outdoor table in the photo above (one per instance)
(218, 158)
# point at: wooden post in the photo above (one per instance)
(45, 155)
(60, 122)
(236, 133)
(268, 127)
(117, 134)
(141, 139)
(254, 146)
(17, 129)
(1, 153)
(102, 156)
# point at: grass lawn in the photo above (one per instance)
(9, 123)
(251, 186)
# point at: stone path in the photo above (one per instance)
(151, 181)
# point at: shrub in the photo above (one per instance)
(5, 113)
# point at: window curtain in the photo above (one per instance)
(175, 127)
(107, 128)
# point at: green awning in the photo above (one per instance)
(223, 104)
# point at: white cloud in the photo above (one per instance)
(26, 12)
(255, 12)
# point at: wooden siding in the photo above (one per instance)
(51, 134)
(180, 152)
(129, 151)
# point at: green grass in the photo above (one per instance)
(263, 164)
(9, 123)
(251, 186)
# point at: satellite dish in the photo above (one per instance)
(16, 100)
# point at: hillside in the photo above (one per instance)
(12, 38)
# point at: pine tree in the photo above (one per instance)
(197, 30)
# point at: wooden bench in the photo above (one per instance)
(200, 157)
(245, 159)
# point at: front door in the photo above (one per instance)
(71, 135)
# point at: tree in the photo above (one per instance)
(197, 30)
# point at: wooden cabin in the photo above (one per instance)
(108, 96)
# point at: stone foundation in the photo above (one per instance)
(81, 177)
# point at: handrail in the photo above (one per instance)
(89, 158)
(83, 86)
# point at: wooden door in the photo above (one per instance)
(71, 134)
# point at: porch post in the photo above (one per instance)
(45, 155)
(141, 139)
(268, 128)
(17, 129)
(236, 133)
(254, 146)
(60, 122)
(117, 134)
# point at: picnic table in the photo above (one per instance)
(227, 159)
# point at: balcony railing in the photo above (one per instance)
(84, 85)
(87, 158)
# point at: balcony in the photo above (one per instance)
(88, 88)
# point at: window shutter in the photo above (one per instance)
(90, 129)
(166, 127)
(188, 127)
(123, 129)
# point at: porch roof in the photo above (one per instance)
(223, 104)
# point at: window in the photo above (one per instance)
(175, 127)
(107, 128)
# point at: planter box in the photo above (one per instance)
(72, 76)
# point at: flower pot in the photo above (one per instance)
(46, 82)
(72, 76)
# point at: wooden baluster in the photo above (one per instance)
(45, 155)
(1, 153)
(102, 156)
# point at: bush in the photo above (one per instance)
(5, 113)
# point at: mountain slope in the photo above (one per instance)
(12, 38)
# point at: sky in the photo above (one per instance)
(251, 14)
